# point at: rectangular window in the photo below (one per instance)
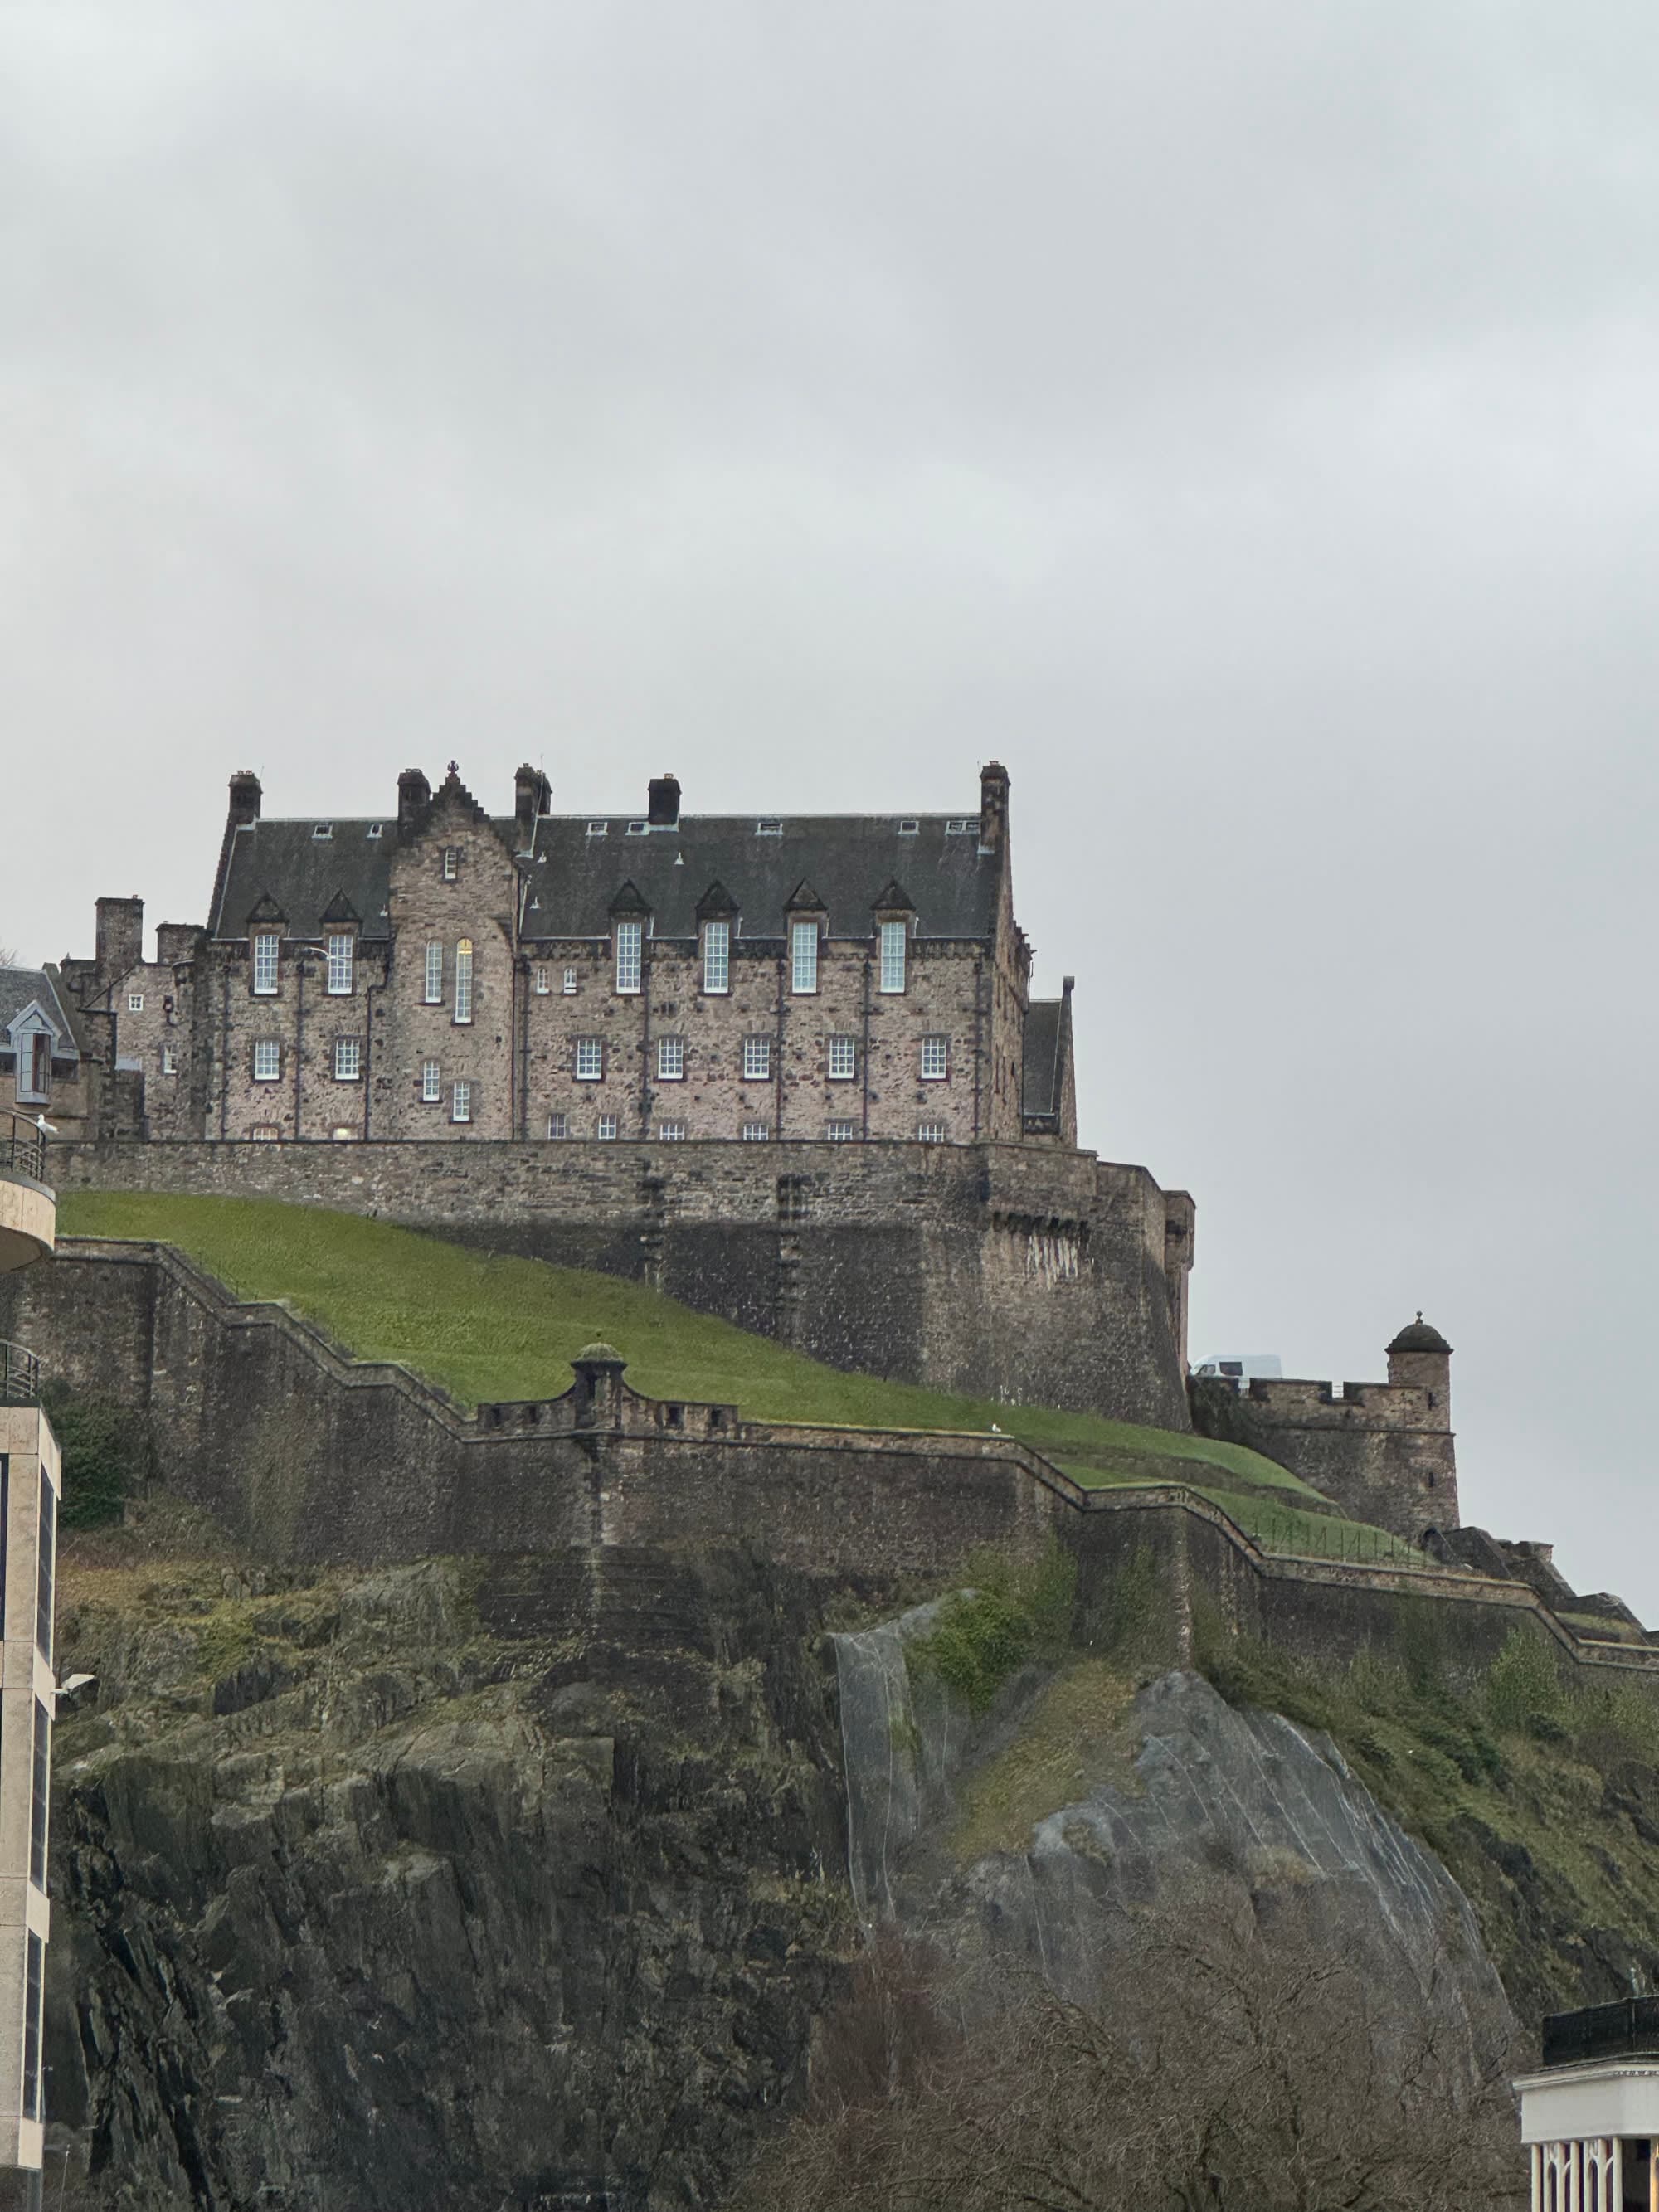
(463, 979)
(630, 942)
(432, 1082)
(935, 1059)
(843, 1059)
(841, 1132)
(33, 1989)
(434, 975)
(671, 1133)
(569, 982)
(757, 1059)
(40, 1794)
(670, 1059)
(931, 1132)
(558, 1125)
(451, 865)
(169, 1061)
(802, 956)
(892, 956)
(543, 982)
(461, 1108)
(34, 1067)
(135, 1002)
(717, 956)
(265, 943)
(607, 1129)
(756, 1132)
(347, 1059)
(340, 950)
(962, 825)
(267, 1059)
(47, 1539)
(590, 1059)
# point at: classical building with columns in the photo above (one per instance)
(1590, 2118)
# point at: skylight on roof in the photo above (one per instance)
(962, 825)
(639, 829)
(910, 827)
(320, 830)
(769, 825)
(373, 829)
(598, 829)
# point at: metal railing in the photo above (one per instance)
(22, 1147)
(19, 1376)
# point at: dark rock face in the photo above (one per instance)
(520, 1897)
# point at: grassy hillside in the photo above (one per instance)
(489, 1327)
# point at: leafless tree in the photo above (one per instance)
(1232, 2073)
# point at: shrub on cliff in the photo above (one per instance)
(106, 1450)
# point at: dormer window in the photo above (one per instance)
(342, 947)
(717, 957)
(802, 956)
(322, 831)
(266, 944)
(452, 863)
(893, 936)
(630, 954)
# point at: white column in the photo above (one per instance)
(1538, 2177)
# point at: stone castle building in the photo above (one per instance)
(441, 973)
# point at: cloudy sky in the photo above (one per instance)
(1240, 419)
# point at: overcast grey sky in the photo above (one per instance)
(1241, 420)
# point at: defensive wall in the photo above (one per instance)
(309, 1458)
(1004, 1270)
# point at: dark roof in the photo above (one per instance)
(847, 862)
(302, 875)
(1419, 1336)
(1040, 1078)
(22, 987)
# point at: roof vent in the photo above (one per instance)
(374, 828)
(598, 828)
(321, 829)
(769, 825)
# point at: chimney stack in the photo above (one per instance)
(413, 797)
(664, 809)
(532, 797)
(119, 943)
(993, 807)
(245, 797)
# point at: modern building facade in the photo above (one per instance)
(30, 1486)
(444, 973)
(1590, 2118)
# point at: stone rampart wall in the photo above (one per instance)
(1006, 1270)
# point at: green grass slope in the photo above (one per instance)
(489, 1327)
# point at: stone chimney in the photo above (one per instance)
(994, 807)
(1419, 1355)
(245, 797)
(532, 797)
(413, 797)
(120, 945)
(665, 810)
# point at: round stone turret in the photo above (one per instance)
(1420, 1356)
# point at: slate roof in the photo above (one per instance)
(1040, 1074)
(849, 860)
(22, 987)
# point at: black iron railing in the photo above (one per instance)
(19, 1376)
(22, 1147)
(1628, 2029)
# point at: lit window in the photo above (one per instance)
(607, 1128)
(717, 956)
(452, 863)
(432, 1082)
(757, 1059)
(267, 1059)
(543, 982)
(670, 1059)
(347, 1059)
(892, 956)
(463, 979)
(630, 943)
(756, 1132)
(135, 1002)
(935, 1059)
(264, 962)
(558, 1125)
(460, 1107)
(841, 1132)
(931, 1132)
(339, 965)
(590, 1059)
(569, 982)
(843, 1059)
(434, 975)
(802, 956)
(671, 1133)
(40, 1794)
(169, 1061)
(265, 1132)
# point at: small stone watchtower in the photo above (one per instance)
(1420, 1357)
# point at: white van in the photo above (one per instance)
(1243, 1368)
